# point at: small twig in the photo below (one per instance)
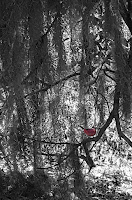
(57, 143)
(109, 76)
(105, 100)
(109, 70)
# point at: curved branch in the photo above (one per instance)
(51, 85)
(121, 135)
(110, 118)
(102, 130)
(110, 77)
(116, 116)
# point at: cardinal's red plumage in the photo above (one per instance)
(90, 132)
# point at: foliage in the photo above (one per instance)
(106, 187)
(22, 187)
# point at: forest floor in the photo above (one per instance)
(108, 172)
(124, 170)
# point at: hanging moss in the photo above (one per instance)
(108, 17)
(75, 162)
(123, 71)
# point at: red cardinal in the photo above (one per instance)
(89, 131)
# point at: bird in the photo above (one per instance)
(89, 131)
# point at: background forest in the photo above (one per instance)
(65, 64)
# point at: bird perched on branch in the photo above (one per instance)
(89, 131)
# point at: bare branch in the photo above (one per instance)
(109, 76)
(121, 135)
(51, 85)
(102, 130)
(56, 143)
(116, 116)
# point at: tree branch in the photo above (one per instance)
(110, 118)
(51, 85)
(102, 130)
(56, 143)
(109, 76)
(121, 135)
(116, 115)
